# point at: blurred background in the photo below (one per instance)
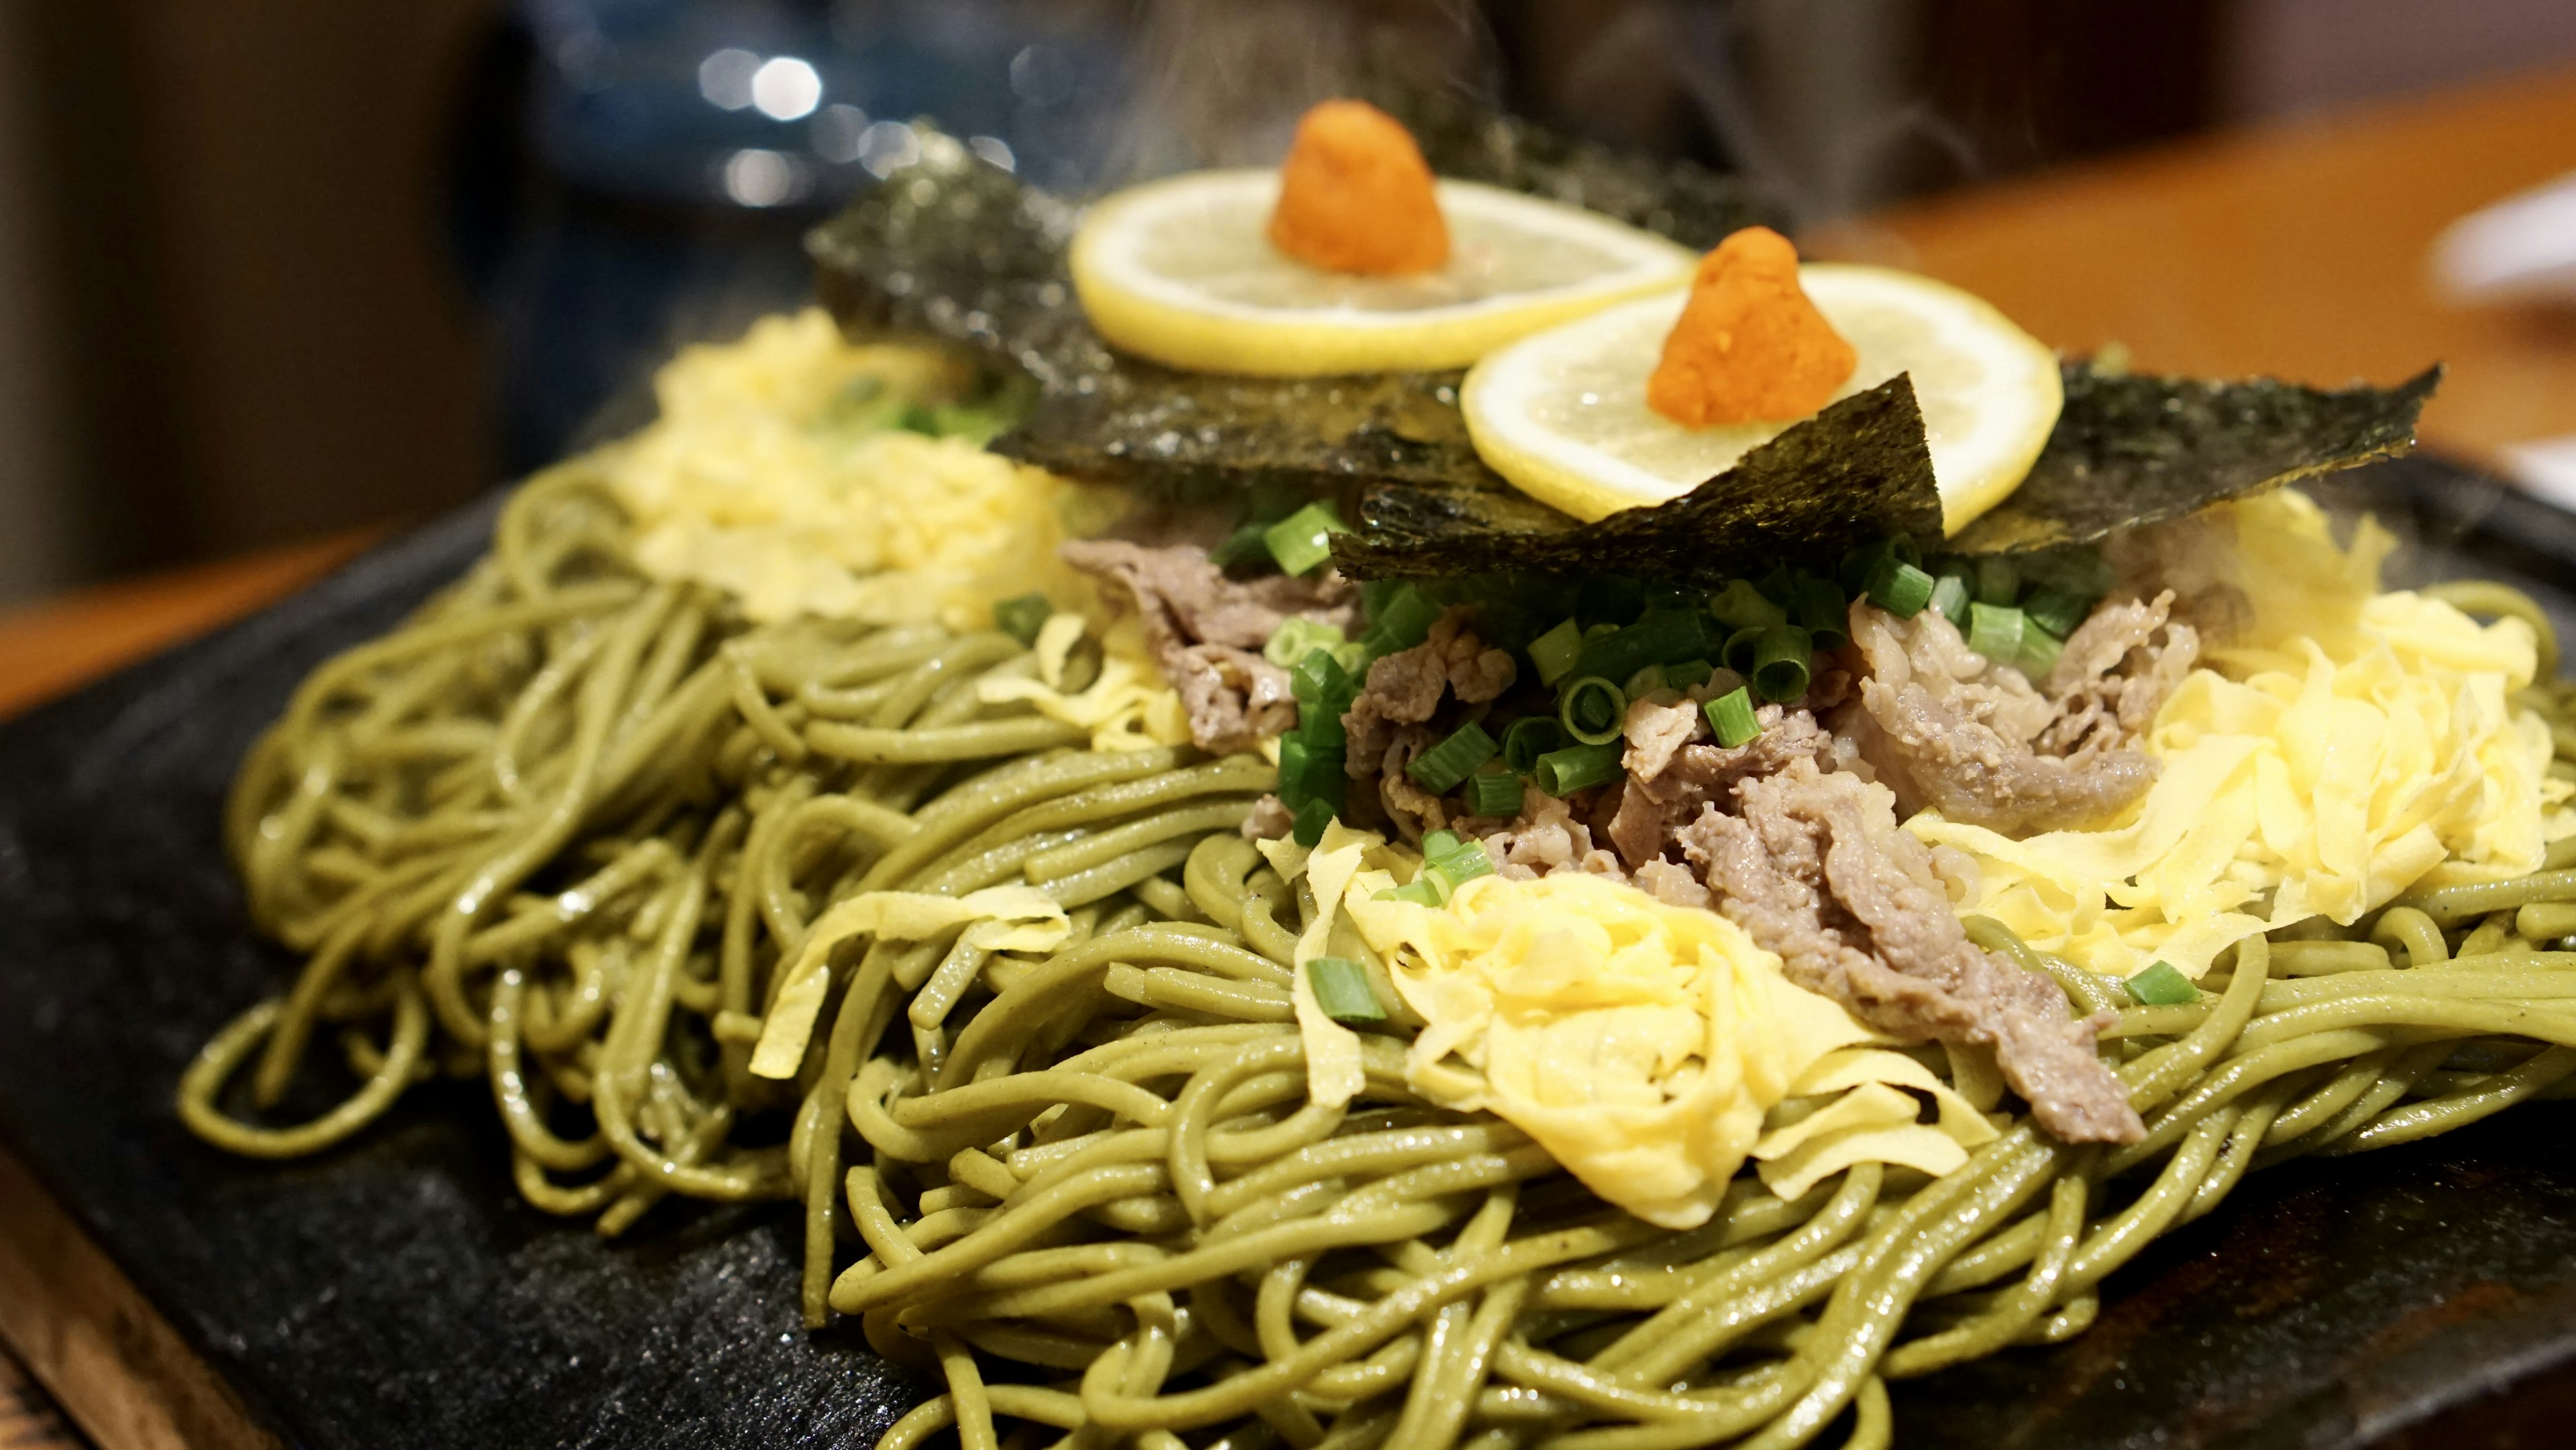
(271, 270)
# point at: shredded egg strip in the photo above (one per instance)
(2343, 746)
(755, 479)
(1650, 1049)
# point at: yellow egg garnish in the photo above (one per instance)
(2343, 746)
(757, 479)
(1650, 1049)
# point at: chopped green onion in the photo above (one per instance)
(1824, 611)
(917, 419)
(1592, 710)
(1995, 631)
(1406, 618)
(1463, 864)
(1311, 772)
(1296, 638)
(1563, 772)
(1901, 589)
(1422, 890)
(1494, 793)
(1997, 581)
(1342, 990)
(1740, 606)
(2039, 652)
(1688, 673)
(1320, 726)
(1731, 716)
(1304, 539)
(1777, 585)
(1644, 682)
(1311, 821)
(1950, 598)
(1019, 618)
(1780, 663)
(1436, 844)
(2056, 610)
(1318, 678)
(1242, 546)
(2162, 985)
(1863, 564)
(1528, 738)
(1741, 645)
(1553, 654)
(1440, 769)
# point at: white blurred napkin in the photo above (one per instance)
(2522, 248)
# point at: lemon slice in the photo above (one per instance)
(1563, 413)
(1181, 271)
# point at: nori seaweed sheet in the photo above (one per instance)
(1858, 471)
(959, 249)
(2134, 449)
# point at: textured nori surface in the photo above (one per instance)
(2132, 448)
(1855, 472)
(395, 1294)
(958, 249)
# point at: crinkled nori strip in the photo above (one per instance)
(2137, 449)
(960, 249)
(1860, 470)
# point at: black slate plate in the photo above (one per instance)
(396, 1294)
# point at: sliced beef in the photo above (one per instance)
(1206, 631)
(2119, 667)
(1270, 820)
(1669, 782)
(1947, 730)
(1815, 869)
(1549, 835)
(1390, 720)
(1406, 687)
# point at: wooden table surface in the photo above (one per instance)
(2298, 250)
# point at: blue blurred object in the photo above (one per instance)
(635, 174)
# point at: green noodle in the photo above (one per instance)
(562, 829)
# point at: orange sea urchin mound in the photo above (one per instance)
(1750, 347)
(1355, 195)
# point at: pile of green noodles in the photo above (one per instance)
(559, 831)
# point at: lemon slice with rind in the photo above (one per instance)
(1563, 413)
(1181, 272)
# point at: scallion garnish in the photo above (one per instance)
(1528, 738)
(1901, 589)
(1950, 597)
(1021, 618)
(1688, 673)
(1731, 716)
(1995, 631)
(1741, 647)
(2039, 652)
(1780, 663)
(1342, 990)
(1823, 611)
(1311, 821)
(1296, 638)
(1740, 606)
(1304, 539)
(1423, 890)
(1494, 793)
(1563, 772)
(2162, 985)
(1592, 710)
(1553, 654)
(1440, 769)
(2056, 610)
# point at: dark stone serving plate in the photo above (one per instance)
(397, 1294)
